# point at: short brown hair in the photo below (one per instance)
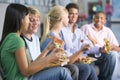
(72, 5)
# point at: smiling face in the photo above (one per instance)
(34, 23)
(100, 19)
(73, 15)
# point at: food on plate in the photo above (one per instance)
(86, 59)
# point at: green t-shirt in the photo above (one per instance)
(7, 51)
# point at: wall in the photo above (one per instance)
(2, 14)
(43, 10)
(116, 10)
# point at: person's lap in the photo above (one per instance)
(86, 72)
(116, 69)
(55, 73)
(106, 64)
(74, 71)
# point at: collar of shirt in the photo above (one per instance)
(76, 26)
(103, 27)
(53, 34)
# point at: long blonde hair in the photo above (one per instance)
(52, 18)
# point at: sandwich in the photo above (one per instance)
(58, 43)
(107, 46)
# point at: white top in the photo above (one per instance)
(100, 35)
(73, 41)
(33, 46)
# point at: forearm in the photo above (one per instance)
(92, 40)
(74, 57)
(116, 48)
(94, 50)
(44, 53)
(37, 66)
(26, 68)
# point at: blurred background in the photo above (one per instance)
(86, 12)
